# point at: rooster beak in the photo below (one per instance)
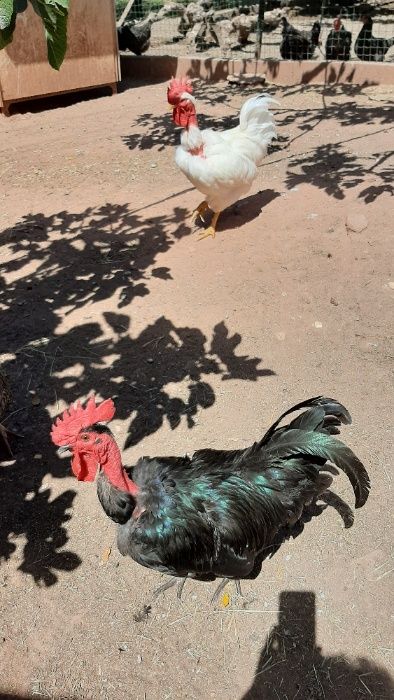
(62, 450)
(170, 108)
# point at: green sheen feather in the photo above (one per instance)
(293, 441)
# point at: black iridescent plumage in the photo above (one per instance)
(338, 44)
(297, 44)
(217, 513)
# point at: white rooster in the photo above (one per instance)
(221, 165)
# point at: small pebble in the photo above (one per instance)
(356, 222)
(318, 324)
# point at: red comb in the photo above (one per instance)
(66, 428)
(176, 88)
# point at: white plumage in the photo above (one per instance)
(222, 165)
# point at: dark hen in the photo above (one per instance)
(136, 37)
(338, 42)
(298, 45)
(368, 47)
(215, 514)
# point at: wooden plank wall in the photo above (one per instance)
(91, 59)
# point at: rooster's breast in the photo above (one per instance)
(221, 175)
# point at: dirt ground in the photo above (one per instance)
(104, 286)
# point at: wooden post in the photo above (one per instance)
(259, 32)
(124, 14)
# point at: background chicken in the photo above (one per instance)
(136, 36)
(338, 42)
(222, 165)
(298, 45)
(368, 47)
(217, 513)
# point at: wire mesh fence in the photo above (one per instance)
(229, 29)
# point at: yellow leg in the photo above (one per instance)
(201, 209)
(211, 230)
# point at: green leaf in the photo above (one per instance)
(63, 3)
(7, 33)
(6, 13)
(54, 14)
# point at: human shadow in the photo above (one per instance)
(292, 665)
(62, 264)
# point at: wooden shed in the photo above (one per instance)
(91, 59)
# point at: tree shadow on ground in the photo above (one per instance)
(97, 263)
(335, 170)
(292, 665)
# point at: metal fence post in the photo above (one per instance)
(259, 32)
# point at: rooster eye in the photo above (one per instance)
(85, 437)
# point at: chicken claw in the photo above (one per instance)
(201, 209)
(211, 230)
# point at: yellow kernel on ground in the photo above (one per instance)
(106, 555)
(225, 600)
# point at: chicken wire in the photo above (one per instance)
(217, 40)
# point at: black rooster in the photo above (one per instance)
(136, 37)
(215, 514)
(368, 47)
(298, 45)
(338, 42)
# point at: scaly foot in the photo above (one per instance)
(201, 209)
(211, 230)
(180, 582)
(221, 587)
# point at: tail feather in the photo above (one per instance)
(331, 408)
(292, 442)
(255, 115)
(311, 434)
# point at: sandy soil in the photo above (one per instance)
(105, 287)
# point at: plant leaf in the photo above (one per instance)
(54, 14)
(7, 33)
(6, 13)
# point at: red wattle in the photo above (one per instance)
(184, 114)
(84, 466)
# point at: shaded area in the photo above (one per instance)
(55, 265)
(335, 170)
(292, 665)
